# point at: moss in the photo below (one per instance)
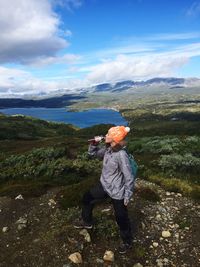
(139, 252)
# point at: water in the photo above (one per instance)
(81, 119)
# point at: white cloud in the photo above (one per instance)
(28, 29)
(19, 83)
(156, 60)
(125, 67)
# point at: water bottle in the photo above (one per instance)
(97, 139)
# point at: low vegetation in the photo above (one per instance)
(36, 154)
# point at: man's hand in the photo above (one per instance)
(126, 202)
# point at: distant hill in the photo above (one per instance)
(62, 99)
(53, 102)
(28, 128)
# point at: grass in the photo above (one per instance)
(177, 186)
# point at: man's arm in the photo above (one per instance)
(128, 176)
(95, 151)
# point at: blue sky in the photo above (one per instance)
(51, 45)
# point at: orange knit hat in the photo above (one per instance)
(118, 133)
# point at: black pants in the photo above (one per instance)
(121, 214)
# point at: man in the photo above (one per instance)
(116, 182)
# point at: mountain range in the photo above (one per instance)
(157, 82)
(62, 97)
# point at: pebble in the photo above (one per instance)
(51, 202)
(76, 258)
(155, 244)
(166, 234)
(159, 262)
(99, 260)
(106, 210)
(22, 223)
(138, 265)
(5, 229)
(86, 235)
(158, 217)
(108, 256)
(19, 197)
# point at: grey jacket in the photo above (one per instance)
(116, 176)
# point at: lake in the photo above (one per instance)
(81, 119)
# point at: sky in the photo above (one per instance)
(52, 45)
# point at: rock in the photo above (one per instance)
(86, 235)
(177, 235)
(22, 220)
(21, 226)
(51, 202)
(159, 262)
(179, 195)
(22, 223)
(76, 258)
(106, 210)
(155, 244)
(5, 229)
(99, 261)
(162, 210)
(19, 197)
(108, 256)
(143, 226)
(158, 217)
(166, 234)
(168, 194)
(165, 260)
(138, 265)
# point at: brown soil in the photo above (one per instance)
(49, 237)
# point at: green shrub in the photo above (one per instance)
(48, 162)
(176, 163)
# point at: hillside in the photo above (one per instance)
(51, 102)
(47, 164)
(46, 237)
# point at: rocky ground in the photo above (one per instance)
(37, 232)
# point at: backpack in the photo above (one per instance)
(133, 164)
